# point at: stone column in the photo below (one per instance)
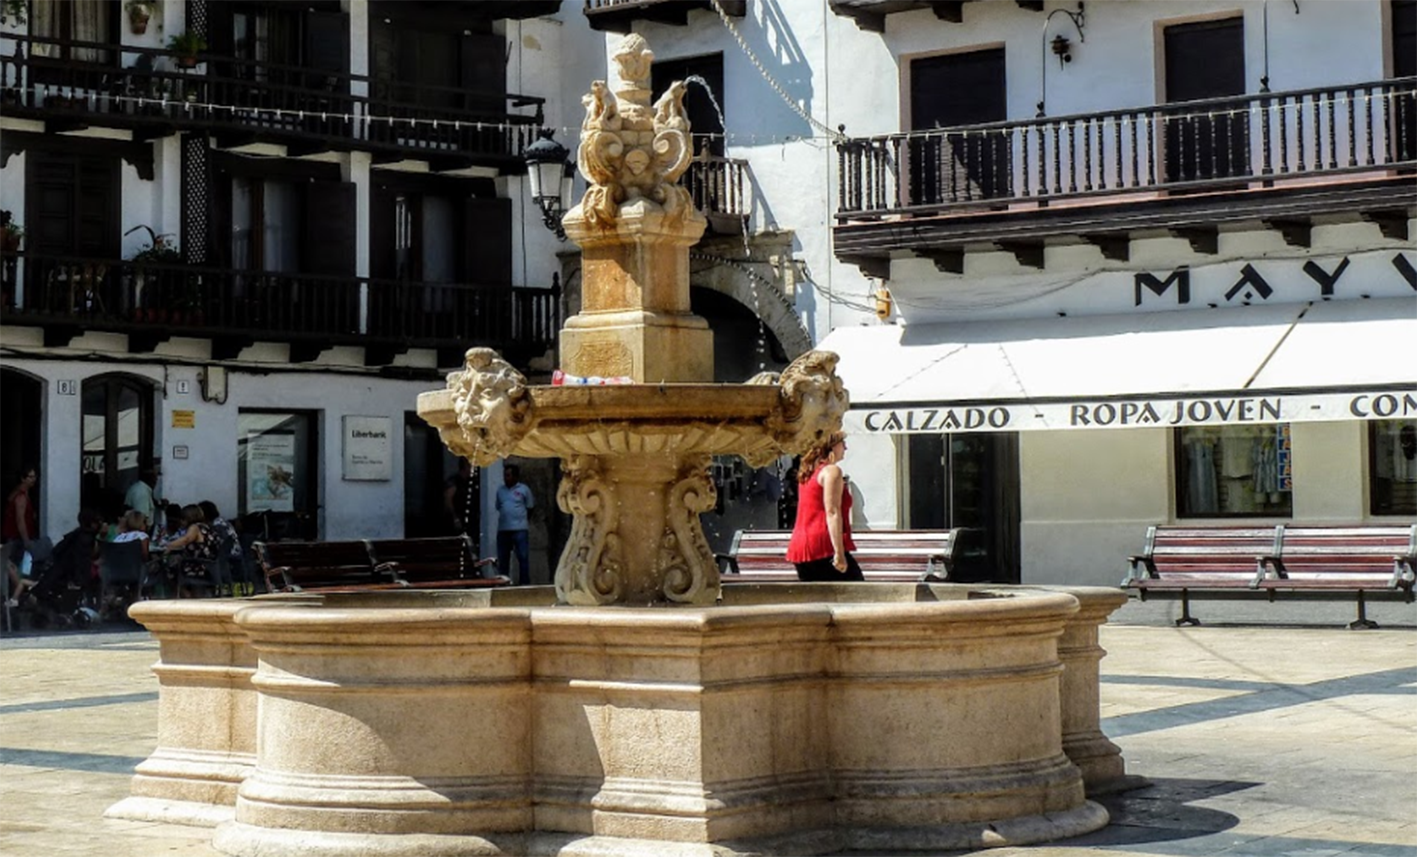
(634, 319)
(206, 715)
(386, 729)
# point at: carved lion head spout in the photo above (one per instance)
(813, 402)
(493, 405)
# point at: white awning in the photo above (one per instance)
(1244, 364)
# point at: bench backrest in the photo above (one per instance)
(435, 559)
(120, 562)
(897, 552)
(1355, 550)
(1210, 550)
(314, 565)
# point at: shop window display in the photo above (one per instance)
(1392, 467)
(1238, 471)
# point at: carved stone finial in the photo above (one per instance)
(632, 153)
(635, 60)
(493, 406)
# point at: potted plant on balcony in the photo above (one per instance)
(14, 13)
(12, 234)
(187, 46)
(161, 250)
(139, 13)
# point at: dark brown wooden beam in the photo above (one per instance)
(951, 10)
(60, 335)
(147, 341)
(230, 347)
(1203, 239)
(307, 351)
(1296, 232)
(1117, 248)
(946, 261)
(1028, 253)
(383, 354)
(1392, 222)
(1031, 5)
(872, 266)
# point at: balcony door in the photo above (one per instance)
(89, 22)
(951, 91)
(1206, 60)
(440, 252)
(1404, 64)
(704, 106)
(968, 481)
(418, 62)
(299, 45)
(72, 226)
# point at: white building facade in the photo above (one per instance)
(1147, 262)
(242, 267)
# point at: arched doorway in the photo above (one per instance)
(21, 446)
(117, 434)
(743, 345)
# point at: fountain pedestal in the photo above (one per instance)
(634, 320)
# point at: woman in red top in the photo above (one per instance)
(821, 542)
(19, 527)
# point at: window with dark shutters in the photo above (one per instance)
(487, 252)
(329, 228)
(1206, 60)
(951, 91)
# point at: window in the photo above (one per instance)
(1236, 471)
(703, 101)
(1404, 64)
(1206, 60)
(73, 21)
(266, 223)
(1392, 467)
(952, 91)
(117, 438)
(277, 471)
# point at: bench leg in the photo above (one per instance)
(1362, 622)
(1186, 617)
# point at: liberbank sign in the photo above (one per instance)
(1147, 412)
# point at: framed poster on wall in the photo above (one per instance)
(368, 449)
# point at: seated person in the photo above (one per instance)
(74, 557)
(133, 527)
(196, 545)
(171, 526)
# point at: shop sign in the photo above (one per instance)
(947, 418)
(368, 449)
(184, 419)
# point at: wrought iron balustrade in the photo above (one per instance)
(1269, 137)
(190, 300)
(42, 78)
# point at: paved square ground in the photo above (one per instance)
(1291, 738)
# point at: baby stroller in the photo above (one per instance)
(62, 596)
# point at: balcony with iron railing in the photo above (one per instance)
(871, 15)
(721, 190)
(70, 85)
(1278, 157)
(618, 16)
(151, 302)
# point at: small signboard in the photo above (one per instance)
(368, 449)
(184, 419)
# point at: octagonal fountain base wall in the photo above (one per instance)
(788, 719)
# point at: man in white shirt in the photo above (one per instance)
(142, 495)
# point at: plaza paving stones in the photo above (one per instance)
(1265, 733)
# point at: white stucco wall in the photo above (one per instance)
(349, 509)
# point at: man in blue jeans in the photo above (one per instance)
(513, 501)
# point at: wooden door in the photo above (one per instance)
(953, 91)
(1206, 60)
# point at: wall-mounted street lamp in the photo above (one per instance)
(1061, 46)
(551, 173)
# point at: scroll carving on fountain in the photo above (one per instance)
(636, 457)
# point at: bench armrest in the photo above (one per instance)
(727, 562)
(1402, 573)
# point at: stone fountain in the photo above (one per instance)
(640, 706)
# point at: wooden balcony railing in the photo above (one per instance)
(187, 300)
(721, 190)
(307, 108)
(618, 15)
(1200, 145)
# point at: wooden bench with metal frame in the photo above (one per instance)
(760, 556)
(1366, 561)
(352, 566)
